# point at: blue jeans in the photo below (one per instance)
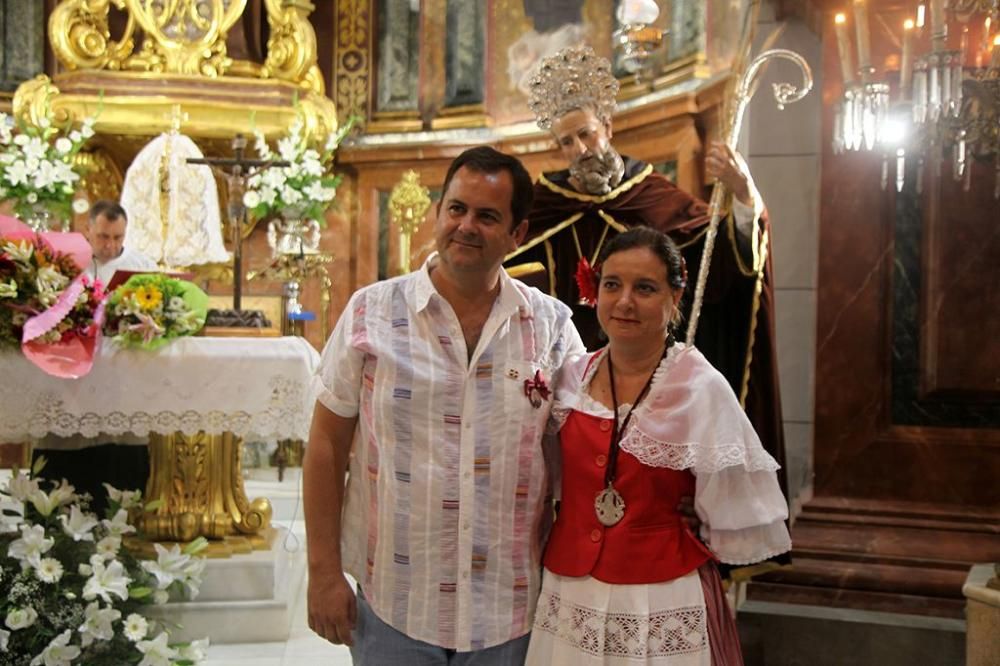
(378, 644)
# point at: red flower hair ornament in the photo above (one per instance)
(587, 279)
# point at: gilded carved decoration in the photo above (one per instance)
(291, 49)
(353, 58)
(102, 178)
(198, 477)
(184, 37)
(181, 36)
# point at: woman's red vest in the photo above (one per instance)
(651, 543)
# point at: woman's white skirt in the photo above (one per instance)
(583, 621)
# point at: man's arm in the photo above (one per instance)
(332, 605)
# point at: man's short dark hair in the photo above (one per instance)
(111, 210)
(483, 159)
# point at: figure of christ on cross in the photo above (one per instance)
(237, 169)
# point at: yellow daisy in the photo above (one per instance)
(148, 297)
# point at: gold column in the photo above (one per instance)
(199, 479)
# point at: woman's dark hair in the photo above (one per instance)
(658, 243)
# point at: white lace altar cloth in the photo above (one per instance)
(191, 234)
(257, 388)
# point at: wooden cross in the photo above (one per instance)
(236, 169)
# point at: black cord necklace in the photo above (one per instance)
(608, 504)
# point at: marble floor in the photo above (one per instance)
(303, 648)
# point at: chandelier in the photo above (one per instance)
(636, 38)
(947, 99)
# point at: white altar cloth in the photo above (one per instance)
(255, 388)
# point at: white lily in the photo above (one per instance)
(106, 581)
(195, 651)
(97, 624)
(79, 524)
(156, 652)
(59, 652)
(20, 486)
(118, 525)
(109, 546)
(32, 544)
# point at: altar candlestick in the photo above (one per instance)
(844, 46)
(939, 29)
(864, 43)
(995, 62)
(906, 66)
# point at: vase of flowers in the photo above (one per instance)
(37, 172)
(150, 310)
(300, 193)
(71, 592)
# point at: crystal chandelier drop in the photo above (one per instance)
(947, 100)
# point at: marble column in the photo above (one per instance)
(22, 51)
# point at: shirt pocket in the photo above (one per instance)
(529, 386)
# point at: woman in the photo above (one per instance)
(642, 423)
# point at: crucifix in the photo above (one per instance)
(236, 170)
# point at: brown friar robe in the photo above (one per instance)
(736, 326)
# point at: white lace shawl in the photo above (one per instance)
(691, 420)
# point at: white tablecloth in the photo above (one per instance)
(257, 388)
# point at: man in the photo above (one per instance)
(434, 390)
(106, 234)
(602, 192)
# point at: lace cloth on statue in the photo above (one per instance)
(583, 621)
(256, 388)
(191, 231)
(692, 420)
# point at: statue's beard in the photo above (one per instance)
(598, 172)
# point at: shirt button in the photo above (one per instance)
(605, 426)
(595, 535)
(601, 460)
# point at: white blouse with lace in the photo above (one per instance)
(691, 420)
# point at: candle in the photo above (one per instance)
(864, 45)
(939, 30)
(906, 66)
(844, 46)
(995, 62)
(921, 11)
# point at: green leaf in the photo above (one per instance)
(39, 465)
(140, 592)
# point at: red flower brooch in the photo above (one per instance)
(536, 389)
(587, 279)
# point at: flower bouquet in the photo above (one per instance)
(150, 310)
(306, 187)
(36, 167)
(48, 308)
(70, 593)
